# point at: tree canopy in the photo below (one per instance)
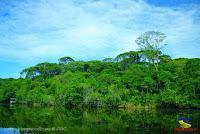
(65, 60)
(126, 80)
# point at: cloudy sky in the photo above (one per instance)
(33, 31)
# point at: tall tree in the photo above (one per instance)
(150, 45)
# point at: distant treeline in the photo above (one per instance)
(136, 78)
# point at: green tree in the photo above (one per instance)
(191, 77)
(150, 45)
(108, 60)
(43, 69)
(65, 60)
(128, 58)
(164, 58)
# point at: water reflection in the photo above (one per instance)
(61, 120)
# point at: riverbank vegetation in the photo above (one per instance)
(146, 77)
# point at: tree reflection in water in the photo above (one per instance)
(62, 120)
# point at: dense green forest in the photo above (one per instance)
(143, 78)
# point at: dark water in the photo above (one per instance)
(43, 120)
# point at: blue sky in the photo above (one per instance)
(34, 31)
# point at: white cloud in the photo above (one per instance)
(46, 30)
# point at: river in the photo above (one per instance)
(36, 120)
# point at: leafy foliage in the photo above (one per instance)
(127, 79)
